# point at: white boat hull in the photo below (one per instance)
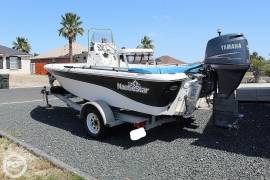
(94, 92)
(144, 93)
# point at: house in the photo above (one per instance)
(13, 61)
(58, 55)
(169, 60)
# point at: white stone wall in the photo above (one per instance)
(25, 60)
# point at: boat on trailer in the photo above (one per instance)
(127, 85)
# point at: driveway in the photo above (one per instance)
(27, 80)
(189, 149)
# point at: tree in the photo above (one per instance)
(22, 44)
(257, 64)
(146, 43)
(71, 27)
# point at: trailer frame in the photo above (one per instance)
(111, 116)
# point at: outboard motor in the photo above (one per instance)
(228, 55)
(226, 62)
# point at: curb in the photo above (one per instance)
(40, 153)
(23, 87)
(26, 87)
(259, 92)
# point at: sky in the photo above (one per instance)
(178, 28)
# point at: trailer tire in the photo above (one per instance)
(94, 123)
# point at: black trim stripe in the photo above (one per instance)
(159, 93)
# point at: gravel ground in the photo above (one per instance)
(20, 94)
(190, 149)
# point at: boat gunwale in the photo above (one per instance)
(138, 76)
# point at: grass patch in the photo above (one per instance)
(37, 168)
(10, 132)
(248, 74)
(4, 143)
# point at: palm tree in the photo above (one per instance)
(22, 44)
(71, 27)
(146, 43)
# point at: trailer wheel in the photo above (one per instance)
(94, 123)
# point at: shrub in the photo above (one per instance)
(266, 69)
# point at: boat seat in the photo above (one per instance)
(166, 69)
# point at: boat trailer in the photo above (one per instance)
(99, 116)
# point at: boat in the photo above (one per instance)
(125, 78)
(127, 85)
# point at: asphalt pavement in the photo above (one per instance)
(192, 148)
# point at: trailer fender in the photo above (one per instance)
(103, 108)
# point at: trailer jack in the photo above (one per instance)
(45, 94)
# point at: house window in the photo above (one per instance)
(19, 63)
(1, 62)
(7, 62)
(14, 63)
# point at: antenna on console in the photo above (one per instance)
(219, 30)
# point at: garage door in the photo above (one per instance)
(39, 68)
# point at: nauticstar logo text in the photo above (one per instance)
(231, 46)
(133, 87)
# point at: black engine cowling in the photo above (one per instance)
(226, 62)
